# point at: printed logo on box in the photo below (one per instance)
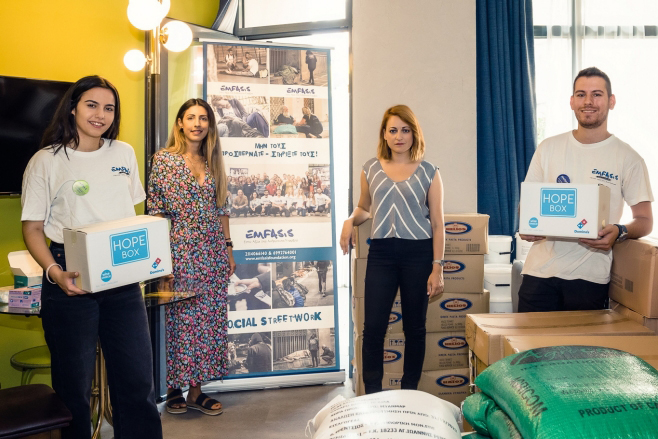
(453, 267)
(452, 381)
(456, 305)
(129, 247)
(558, 202)
(394, 382)
(106, 275)
(391, 356)
(396, 342)
(582, 223)
(457, 228)
(452, 342)
(534, 222)
(394, 317)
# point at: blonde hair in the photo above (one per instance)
(417, 150)
(210, 148)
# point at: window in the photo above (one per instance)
(620, 38)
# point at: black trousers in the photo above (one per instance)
(395, 263)
(538, 294)
(72, 326)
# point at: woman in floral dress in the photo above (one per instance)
(188, 184)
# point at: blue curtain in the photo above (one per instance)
(506, 132)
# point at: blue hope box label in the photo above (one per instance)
(129, 247)
(558, 202)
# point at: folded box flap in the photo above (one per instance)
(23, 264)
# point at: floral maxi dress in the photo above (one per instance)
(196, 329)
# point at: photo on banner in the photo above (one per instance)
(272, 108)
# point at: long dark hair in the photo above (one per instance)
(210, 148)
(62, 130)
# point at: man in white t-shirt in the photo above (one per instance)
(564, 274)
(252, 64)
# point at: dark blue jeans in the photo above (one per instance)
(395, 263)
(72, 327)
(538, 294)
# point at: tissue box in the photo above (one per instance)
(116, 253)
(25, 298)
(564, 210)
(25, 269)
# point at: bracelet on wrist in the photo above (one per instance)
(48, 269)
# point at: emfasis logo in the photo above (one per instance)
(605, 175)
(122, 170)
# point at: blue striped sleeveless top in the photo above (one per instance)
(399, 209)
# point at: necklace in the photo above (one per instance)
(197, 167)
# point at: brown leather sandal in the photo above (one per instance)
(204, 404)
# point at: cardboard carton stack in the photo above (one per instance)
(634, 281)
(446, 356)
(485, 333)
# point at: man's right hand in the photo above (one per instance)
(532, 238)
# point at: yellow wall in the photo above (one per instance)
(66, 40)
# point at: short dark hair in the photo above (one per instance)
(62, 130)
(594, 71)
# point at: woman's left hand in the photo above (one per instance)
(435, 282)
(231, 263)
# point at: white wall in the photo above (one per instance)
(420, 53)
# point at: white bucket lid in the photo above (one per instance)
(498, 268)
(500, 238)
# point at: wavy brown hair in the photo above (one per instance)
(210, 148)
(417, 150)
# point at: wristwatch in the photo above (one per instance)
(623, 232)
(441, 262)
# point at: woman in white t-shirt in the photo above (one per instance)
(82, 175)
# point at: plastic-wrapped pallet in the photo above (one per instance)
(576, 392)
(403, 414)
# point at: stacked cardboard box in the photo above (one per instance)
(634, 280)
(445, 370)
(643, 347)
(26, 297)
(485, 333)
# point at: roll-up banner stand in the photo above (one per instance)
(273, 110)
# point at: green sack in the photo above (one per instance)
(474, 436)
(488, 419)
(285, 129)
(575, 392)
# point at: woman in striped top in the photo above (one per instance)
(404, 195)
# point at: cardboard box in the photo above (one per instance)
(634, 275)
(564, 210)
(463, 273)
(448, 312)
(27, 272)
(394, 322)
(452, 385)
(647, 322)
(359, 277)
(443, 350)
(362, 239)
(26, 292)
(643, 347)
(116, 253)
(445, 313)
(485, 332)
(466, 233)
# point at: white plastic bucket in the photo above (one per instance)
(500, 249)
(522, 248)
(500, 307)
(498, 280)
